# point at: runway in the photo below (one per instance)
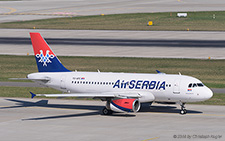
(107, 43)
(36, 119)
(36, 9)
(120, 42)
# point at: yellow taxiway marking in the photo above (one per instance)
(151, 139)
(207, 114)
(4, 106)
(12, 10)
(67, 15)
(188, 114)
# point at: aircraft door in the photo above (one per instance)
(63, 82)
(176, 87)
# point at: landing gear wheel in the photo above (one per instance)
(105, 111)
(183, 110)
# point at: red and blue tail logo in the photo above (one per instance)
(46, 60)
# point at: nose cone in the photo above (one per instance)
(208, 94)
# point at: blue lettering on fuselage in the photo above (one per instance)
(140, 84)
(131, 84)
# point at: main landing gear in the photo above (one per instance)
(105, 111)
(183, 110)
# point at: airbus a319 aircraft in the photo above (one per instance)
(123, 92)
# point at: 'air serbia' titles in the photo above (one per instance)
(140, 84)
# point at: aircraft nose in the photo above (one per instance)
(208, 94)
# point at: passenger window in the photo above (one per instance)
(189, 86)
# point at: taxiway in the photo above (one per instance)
(150, 44)
(54, 119)
(36, 9)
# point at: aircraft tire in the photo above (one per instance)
(183, 112)
(105, 111)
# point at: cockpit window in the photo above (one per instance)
(192, 85)
(200, 84)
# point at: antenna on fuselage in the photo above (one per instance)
(98, 70)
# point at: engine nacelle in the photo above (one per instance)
(123, 105)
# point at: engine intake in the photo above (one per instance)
(124, 105)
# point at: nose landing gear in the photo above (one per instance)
(183, 110)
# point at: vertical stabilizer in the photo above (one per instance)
(46, 60)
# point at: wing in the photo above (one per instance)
(38, 79)
(93, 95)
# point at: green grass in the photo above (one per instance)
(162, 21)
(24, 91)
(210, 72)
(6, 91)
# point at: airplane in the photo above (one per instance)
(123, 92)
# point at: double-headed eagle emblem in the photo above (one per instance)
(45, 59)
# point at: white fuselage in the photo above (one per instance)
(164, 87)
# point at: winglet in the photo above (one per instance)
(32, 95)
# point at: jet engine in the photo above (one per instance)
(123, 105)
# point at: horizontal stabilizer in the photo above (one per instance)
(18, 79)
(32, 95)
(34, 79)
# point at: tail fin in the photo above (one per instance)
(46, 60)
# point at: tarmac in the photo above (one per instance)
(36, 119)
(36, 9)
(108, 43)
(58, 119)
